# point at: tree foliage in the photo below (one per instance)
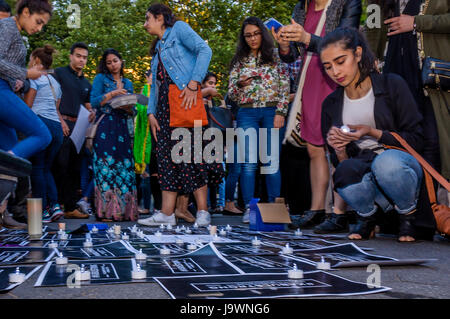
(119, 24)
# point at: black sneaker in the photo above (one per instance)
(309, 219)
(334, 223)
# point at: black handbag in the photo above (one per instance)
(436, 74)
(219, 116)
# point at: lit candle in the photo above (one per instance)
(82, 274)
(138, 273)
(287, 249)
(298, 232)
(52, 244)
(34, 209)
(164, 251)
(295, 273)
(256, 241)
(140, 255)
(17, 276)
(60, 260)
(323, 265)
(222, 232)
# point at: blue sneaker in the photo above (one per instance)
(47, 215)
(57, 213)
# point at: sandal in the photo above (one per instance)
(365, 227)
(406, 228)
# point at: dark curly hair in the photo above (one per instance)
(102, 68)
(243, 49)
(44, 54)
(169, 20)
(350, 39)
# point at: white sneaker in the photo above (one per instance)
(203, 218)
(246, 217)
(85, 206)
(157, 219)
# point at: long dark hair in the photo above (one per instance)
(169, 20)
(243, 49)
(350, 39)
(102, 68)
(44, 54)
(34, 6)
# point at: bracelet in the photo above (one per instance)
(192, 89)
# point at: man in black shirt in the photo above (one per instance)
(76, 91)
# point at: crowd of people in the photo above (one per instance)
(333, 92)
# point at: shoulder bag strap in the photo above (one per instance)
(427, 167)
(53, 90)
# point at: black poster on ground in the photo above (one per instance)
(246, 249)
(269, 264)
(314, 284)
(350, 255)
(114, 250)
(204, 261)
(153, 250)
(5, 285)
(302, 244)
(25, 255)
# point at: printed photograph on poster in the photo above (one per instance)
(257, 286)
(6, 285)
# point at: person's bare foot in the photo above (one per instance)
(354, 237)
(230, 207)
(406, 239)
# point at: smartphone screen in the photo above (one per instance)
(273, 23)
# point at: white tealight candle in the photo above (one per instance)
(17, 276)
(295, 273)
(63, 236)
(195, 226)
(178, 229)
(287, 249)
(53, 244)
(140, 255)
(125, 237)
(164, 251)
(138, 273)
(222, 232)
(198, 241)
(298, 232)
(117, 229)
(61, 260)
(229, 228)
(192, 247)
(169, 227)
(87, 243)
(216, 238)
(183, 228)
(188, 231)
(323, 265)
(134, 229)
(256, 242)
(158, 234)
(141, 234)
(83, 274)
(162, 227)
(94, 230)
(179, 241)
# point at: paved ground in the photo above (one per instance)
(428, 281)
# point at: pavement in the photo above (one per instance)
(431, 280)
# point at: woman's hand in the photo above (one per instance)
(403, 23)
(190, 97)
(35, 72)
(154, 125)
(212, 92)
(118, 92)
(338, 139)
(295, 33)
(284, 45)
(245, 81)
(278, 121)
(65, 128)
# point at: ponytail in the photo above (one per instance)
(44, 54)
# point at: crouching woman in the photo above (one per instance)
(357, 120)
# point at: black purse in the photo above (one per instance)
(219, 116)
(436, 74)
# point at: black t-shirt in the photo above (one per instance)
(76, 90)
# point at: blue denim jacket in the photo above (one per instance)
(103, 84)
(185, 56)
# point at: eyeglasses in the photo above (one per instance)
(250, 35)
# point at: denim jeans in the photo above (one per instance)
(234, 172)
(256, 118)
(395, 177)
(16, 115)
(42, 181)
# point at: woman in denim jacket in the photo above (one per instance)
(115, 180)
(185, 58)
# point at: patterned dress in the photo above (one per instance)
(183, 178)
(113, 163)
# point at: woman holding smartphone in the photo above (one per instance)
(181, 57)
(312, 20)
(259, 83)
